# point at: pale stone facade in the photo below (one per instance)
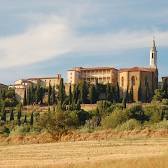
(103, 75)
(21, 85)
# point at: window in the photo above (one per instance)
(133, 80)
(122, 81)
(152, 55)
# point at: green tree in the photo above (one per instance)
(25, 97)
(139, 93)
(83, 91)
(3, 112)
(32, 119)
(109, 94)
(53, 95)
(61, 92)
(49, 94)
(76, 93)
(117, 93)
(125, 99)
(25, 119)
(92, 94)
(97, 90)
(19, 113)
(70, 94)
(131, 95)
(12, 115)
(147, 91)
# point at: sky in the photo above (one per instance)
(46, 37)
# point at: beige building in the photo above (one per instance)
(103, 75)
(22, 84)
(45, 81)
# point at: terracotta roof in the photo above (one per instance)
(137, 69)
(92, 68)
(38, 78)
(165, 77)
(1, 84)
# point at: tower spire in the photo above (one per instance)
(153, 55)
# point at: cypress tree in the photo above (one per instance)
(83, 91)
(147, 91)
(70, 95)
(32, 119)
(25, 98)
(12, 115)
(117, 93)
(53, 95)
(97, 90)
(92, 93)
(3, 111)
(78, 105)
(25, 120)
(131, 94)
(19, 114)
(4, 116)
(124, 102)
(30, 95)
(76, 94)
(49, 94)
(61, 93)
(139, 93)
(108, 92)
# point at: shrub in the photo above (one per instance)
(4, 130)
(102, 106)
(58, 122)
(21, 130)
(131, 124)
(115, 118)
(154, 113)
(136, 112)
(161, 125)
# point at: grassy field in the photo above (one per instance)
(127, 153)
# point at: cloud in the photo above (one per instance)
(56, 37)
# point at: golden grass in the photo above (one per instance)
(140, 153)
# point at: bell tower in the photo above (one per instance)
(153, 56)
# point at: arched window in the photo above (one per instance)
(133, 80)
(122, 81)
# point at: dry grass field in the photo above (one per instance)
(125, 153)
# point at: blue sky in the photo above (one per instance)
(46, 37)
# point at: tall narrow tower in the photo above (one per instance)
(153, 56)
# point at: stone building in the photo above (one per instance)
(3, 87)
(140, 80)
(143, 81)
(22, 84)
(103, 75)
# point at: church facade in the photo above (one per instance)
(140, 81)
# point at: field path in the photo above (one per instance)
(68, 153)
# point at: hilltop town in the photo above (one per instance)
(92, 98)
(140, 81)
